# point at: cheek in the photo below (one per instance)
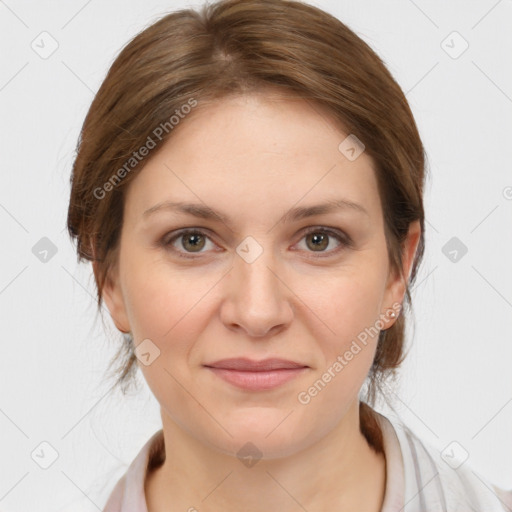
(172, 309)
(165, 308)
(351, 314)
(161, 300)
(347, 356)
(348, 303)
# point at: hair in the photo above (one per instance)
(240, 47)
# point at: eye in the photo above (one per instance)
(318, 239)
(189, 241)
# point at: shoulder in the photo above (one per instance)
(115, 499)
(442, 480)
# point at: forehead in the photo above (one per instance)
(246, 152)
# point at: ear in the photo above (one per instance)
(397, 283)
(113, 297)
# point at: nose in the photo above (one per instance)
(257, 300)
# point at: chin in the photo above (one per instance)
(258, 437)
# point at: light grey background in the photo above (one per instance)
(456, 383)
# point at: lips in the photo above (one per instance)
(247, 365)
(251, 375)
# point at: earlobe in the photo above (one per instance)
(113, 297)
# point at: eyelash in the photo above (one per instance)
(344, 239)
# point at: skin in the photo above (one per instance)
(253, 158)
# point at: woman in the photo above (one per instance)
(248, 186)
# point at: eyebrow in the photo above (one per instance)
(294, 214)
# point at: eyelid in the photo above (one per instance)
(342, 237)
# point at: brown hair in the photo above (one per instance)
(234, 47)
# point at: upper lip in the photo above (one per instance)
(249, 365)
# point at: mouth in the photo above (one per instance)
(256, 375)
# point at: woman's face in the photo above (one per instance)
(261, 279)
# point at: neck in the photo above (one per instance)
(340, 472)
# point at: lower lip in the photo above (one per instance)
(258, 381)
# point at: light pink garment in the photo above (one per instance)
(417, 478)
(128, 494)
